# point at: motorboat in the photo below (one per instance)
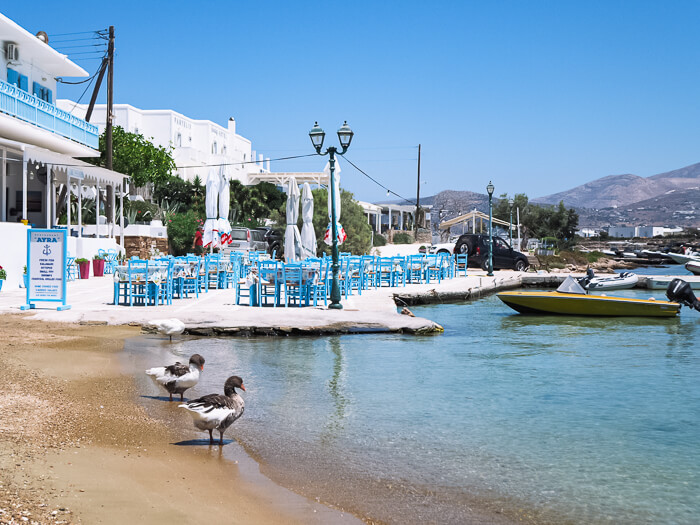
(571, 299)
(661, 282)
(693, 267)
(682, 258)
(621, 281)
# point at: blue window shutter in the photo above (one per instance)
(36, 90)
(49, 96)
(24, 82)
(12, 77)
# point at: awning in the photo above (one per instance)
(472, 216)
(77, 169)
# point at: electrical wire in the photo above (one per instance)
(101, 44)
(377, 182)
(98, 31)
(59, 79)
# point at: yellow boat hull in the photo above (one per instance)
(581, 304)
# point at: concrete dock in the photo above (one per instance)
(215, 312)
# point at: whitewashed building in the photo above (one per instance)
(196, 144)
(38, 146)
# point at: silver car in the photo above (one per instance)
(246, 240)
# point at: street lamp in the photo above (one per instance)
(510, 225)
(489, 190)
(345, 137)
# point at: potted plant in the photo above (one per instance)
(98, 265)
(84, 266)
(25, 277)
(3, 276)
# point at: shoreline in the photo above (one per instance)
(70, 379)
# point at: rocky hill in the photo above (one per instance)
(624, 190)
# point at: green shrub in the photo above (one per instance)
(594, 256)
(378, 240)
(402, 238)
(181, 230)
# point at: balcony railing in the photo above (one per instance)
(26, 107)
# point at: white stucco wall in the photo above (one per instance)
(13, 252)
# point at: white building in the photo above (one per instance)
(628, 232)
(196, 143)
(38, 143)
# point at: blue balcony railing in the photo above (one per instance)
(33, 110)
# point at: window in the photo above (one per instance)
(42, 92)
(214, 148)
(33, 201)
(14, 78)
(178, 140)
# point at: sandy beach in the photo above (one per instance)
(75, 446)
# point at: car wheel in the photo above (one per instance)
(444, 251)
(485, 265)
(520, 265)
(463, 247)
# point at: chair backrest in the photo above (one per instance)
(292, 273)
(268, 270)
(138, 270)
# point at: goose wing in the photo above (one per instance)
(177, 370)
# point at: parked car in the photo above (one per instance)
(246, 240)
(275, 241)
(476, 246)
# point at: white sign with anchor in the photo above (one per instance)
(46, 267)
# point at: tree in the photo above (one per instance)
(540, 220)
(253, 203)
(136, 157)
(352, 218)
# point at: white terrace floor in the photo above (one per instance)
(373, 310)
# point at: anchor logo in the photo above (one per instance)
(47, 250)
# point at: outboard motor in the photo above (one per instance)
(680, 291)
(585, 281)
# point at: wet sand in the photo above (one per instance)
(76, 446)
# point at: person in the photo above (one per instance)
(198, 243)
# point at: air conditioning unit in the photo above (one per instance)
(11, 52)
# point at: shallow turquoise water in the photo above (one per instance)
(590, 420)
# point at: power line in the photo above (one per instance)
(58, 48)
(245, 162)
(59, 79)
(377, 182)
(98, 31)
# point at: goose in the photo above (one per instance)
(216, 411)
(178, 377)
(168, 327)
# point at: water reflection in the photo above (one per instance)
(336, 388)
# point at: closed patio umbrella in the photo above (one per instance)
(224, 201)
(292, 237)
(308, 235)
(211, 231)
(327, 238)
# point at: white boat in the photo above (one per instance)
(621, 281)
(693, 267)
(661, 282)
(681, 258)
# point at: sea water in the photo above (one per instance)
(567, 419)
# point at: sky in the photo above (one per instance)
(536, 96)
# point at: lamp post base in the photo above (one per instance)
(335, 306)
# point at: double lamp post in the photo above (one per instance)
(345, 137)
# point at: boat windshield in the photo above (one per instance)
(571, 285)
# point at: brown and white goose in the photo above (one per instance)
(178, 377)
(217, 411)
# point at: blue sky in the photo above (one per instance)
(536, 96)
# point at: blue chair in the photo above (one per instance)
(271, 275)
(138, 289)
(461, 264)
(415, 267)
(293, 285)
(111, 260)
(320, 286)
(163, 290)
(384, 272)
(433, 271)
(399, 271)
(191, 277)
(71, 268)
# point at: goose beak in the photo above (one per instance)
(242, 387)
(202, 368)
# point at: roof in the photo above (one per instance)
(75, 168)
(472, 216)
(282, 178)
(35, 52)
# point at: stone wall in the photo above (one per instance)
(143, 247)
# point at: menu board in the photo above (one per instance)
(46, 266)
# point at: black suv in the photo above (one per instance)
(476, 246)
(275, 241)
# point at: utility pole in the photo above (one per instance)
(108, 126)
(417, 197)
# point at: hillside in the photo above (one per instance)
(625, 190)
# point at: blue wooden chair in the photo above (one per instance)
(271, 276)
(110, 260)
(319, 287)
(71, 268)
(398, 274)
(163, 289)
(461, 264)
(138, 290)
(293, 286)
(415, 267)
(433, 271)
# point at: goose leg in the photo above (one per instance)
(171, 396)
(181, 396)
(211, 437)
(221, 438)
